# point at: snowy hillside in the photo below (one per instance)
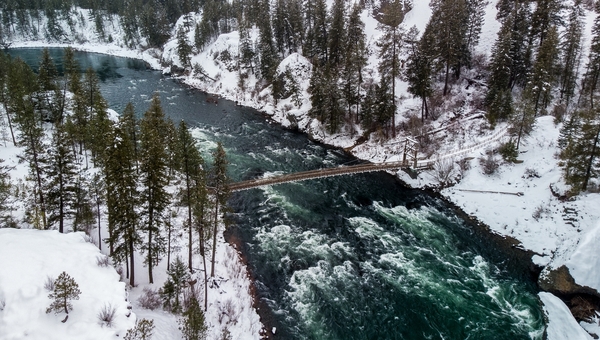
(516, 201)
(28, 258)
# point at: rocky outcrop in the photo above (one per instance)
(559, 281)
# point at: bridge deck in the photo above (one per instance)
(312, 174)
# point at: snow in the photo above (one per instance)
(561, 324)
(558, 232)
(584, 262)
(27, 258)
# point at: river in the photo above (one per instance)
(351, 257)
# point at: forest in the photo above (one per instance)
(536, 67)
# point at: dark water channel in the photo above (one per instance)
(353, 257)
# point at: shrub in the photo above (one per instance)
(489, 164)
(150, 299)
(141, 331)
(540, 211)
(531, 173)
(444, 171)
(106, 315)
(102, 261)
(509, 151)
(49, 284)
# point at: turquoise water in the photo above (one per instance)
(353, 257)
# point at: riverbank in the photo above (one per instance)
(556, 232)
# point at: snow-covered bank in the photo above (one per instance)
(516, 201)
(28, 258)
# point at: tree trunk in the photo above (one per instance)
(215, 228)
(12, 134)
(189, 202)
(149, 259)
(131, 263)
(446, 78)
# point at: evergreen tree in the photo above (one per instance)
(122, 199)
(543, 77)
(193, 324)
(130, 125)
(5, 64)
(184, 49)
(190, 165)
(582, 153)
(246, 53)
(154, 177)
(498, 98)
(65, 290)
(142, 330)
(522, 119)
(172, 290)
(22, 83)
(355, 60)
(475, 12)
(390, 45)
(448, 28)
(336, 35)
(418, 72)
(220, 183)
(287, 26)
(61, 175)
(266, 49)
(545, 16)
(570, 47)
(315, 46)
(592, 75)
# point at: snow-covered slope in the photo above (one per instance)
(28, 258)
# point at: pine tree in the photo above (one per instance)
(5, 63)
(154, 173)
(498, 99)
(570, 47)
(22, 83)
(172, 290)
(543, 77)
(184, 49)
(142, 330)
(122, 199)
(61, 175)
(315, 46)
(99, 125)
(193, 324)
(522, 119)
(355, 60)
(336, 36)
(190, 165)
(545, 16)
(448, 30)
(287, 26)
(220, 183)
(390, 45)
(475, 12)
(582, 154)
(65, 290)
(418, 72)
(266, 49)
(130, 125)
(592, 75)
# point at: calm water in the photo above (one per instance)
(355, 257)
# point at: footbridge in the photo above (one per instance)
(313, 174)
(409, 160)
